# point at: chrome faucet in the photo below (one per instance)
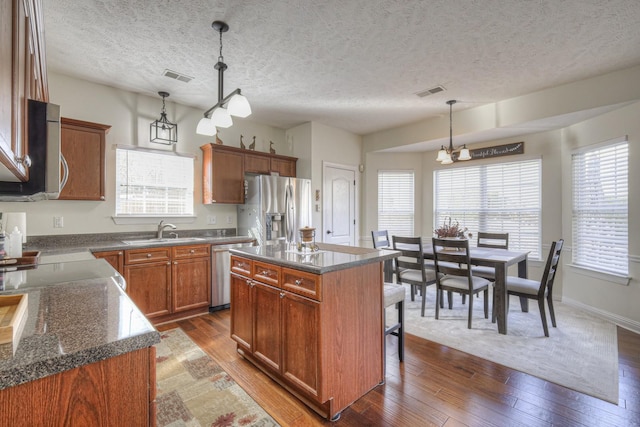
(162, 226)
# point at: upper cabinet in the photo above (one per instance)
(23, 76)
(223, 170)
(83, 146)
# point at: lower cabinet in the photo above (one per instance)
(303, 330)
(166, 283)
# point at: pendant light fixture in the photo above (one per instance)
(446, 156)
(162, 131)
(234, 104)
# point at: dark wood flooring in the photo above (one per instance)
(436, 386)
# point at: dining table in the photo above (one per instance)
(501, 260)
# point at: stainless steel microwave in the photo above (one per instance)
(43, 128)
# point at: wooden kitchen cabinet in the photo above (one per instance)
(115, 258)
(223, 170)
(148, 276)
(83, 147)
(168, 282)
(191, 277)
(308, 331)
(22, 76)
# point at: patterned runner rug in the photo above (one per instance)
(192, 390)
(580, 354)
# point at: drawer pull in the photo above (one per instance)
(148, 255)
(298, 282)
(266, 273)
(281, 295)
(192, 251)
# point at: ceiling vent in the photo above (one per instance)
(177, 76)
(431, 91)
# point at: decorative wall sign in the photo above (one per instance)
(497, 151)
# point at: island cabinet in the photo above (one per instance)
(318, 335)
(166, 283)
(223, 170)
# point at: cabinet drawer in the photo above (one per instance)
(266, 273)
(138, 256)
(191, 251)
(241, 266)
(302, 283)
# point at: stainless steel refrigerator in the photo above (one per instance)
(275, 208)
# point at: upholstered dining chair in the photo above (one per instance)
(538, 290)
(410, 266)
(380, 241)
(394, 295)
(453, 274)
(490, 240)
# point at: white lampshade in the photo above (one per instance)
(206, 127)
(221, 118)
(464, 154)
(447, 160)
(442, 154)
(239, 106)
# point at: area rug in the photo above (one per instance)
(580, 354)
(192, 390)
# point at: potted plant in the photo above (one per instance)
(451, 230)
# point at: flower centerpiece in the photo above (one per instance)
(452, 229)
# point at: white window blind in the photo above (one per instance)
(153, 183)
(395, 202)
(600, 207)
(497, 198)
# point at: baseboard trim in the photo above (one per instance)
(623, 322)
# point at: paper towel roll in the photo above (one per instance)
(15, 219)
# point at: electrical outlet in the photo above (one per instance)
(211, 220)
(58, 222)
(229, 219)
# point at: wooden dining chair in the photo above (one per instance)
(453, 274)
(490, 240)
(410, 266)
(381, 241)
(538, 290)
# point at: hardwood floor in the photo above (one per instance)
(435, 386)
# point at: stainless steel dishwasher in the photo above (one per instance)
(220, 280)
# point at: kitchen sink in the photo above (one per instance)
(164, 240)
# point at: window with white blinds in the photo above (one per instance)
(153, 183)
(395, 202)
(495, 198)
(600, 207)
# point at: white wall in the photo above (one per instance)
(129, 115)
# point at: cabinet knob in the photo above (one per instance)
(120, 253)
(192, 251)
(169, 263)
(101, 197)
(148, 255)
(281, 295)
(174, 263)
(25, 161)
(265, 273)
(298, 282)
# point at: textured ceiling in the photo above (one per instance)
(352, 64)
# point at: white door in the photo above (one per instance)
(339, 213)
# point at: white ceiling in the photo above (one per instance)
(352, 64)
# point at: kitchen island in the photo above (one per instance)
(312, 321)
(84, 353)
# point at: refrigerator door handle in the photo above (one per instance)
(290, 212)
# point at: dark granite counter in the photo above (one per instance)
(72, 324)
(327, 258)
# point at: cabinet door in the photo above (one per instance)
(266, 337)
(242, 312)
(83, 145)
(284, 167)
(191, 283)
(149, 286)
(301, 343)
(257, 163)
(223, 175)
(115, 258)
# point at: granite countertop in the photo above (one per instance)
(73, 324)
(327, 258)
(80, 244)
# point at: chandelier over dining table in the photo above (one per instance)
(448, 155)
